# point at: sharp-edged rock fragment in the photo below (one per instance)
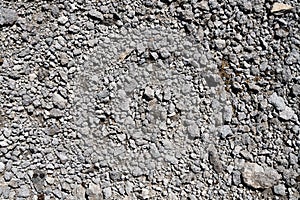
(277, 7)
(96, 15)
(149, 93)
(257, 177)
(7, 17)
(214, 159)
(277, 101)
(59, 101)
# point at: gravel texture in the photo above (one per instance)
(155, 99)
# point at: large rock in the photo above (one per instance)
(59, 101)
(258, 177)
(277, 7)
(277, 101)
(7, 16)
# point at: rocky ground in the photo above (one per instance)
(154, 99)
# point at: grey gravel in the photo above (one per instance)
(149, 100)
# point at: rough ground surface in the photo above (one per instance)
(149, 99)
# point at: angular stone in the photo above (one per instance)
(23, 192)
(107, 193)
(236, 177)
(2, 167)
(94, 191)
(80, 192)
(287, 114)
(214, 159)
(227, 114)
(225, 131)
(258, 177)
(7, 16)
(62, 20)
(277, 7)
(62, 157)
(74, 29)
(56, 113)
(64, 60)
(38, 179)
(277, 101)
(193, 130)
(96, 14)
(149, 93)
(280, 189)
(220, 44)
(296, 90)
(59, 101)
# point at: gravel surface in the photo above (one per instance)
(154, 99)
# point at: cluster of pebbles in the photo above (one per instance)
(155, 99)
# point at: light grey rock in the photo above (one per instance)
(247, 6)
(164, 53)
(137, 171)
(62, 157)
(7, 16)
(280, 189)
(293, 159)
(65, 186)
(96, 15)
(59, 101)
(236, 177)
(27, 100)
(140, 48)
(107, 193)
(204, 5)
(282, 33)
(129, 187)
(149, 93)
(38, 179)
(254, 87)
(287, 114)
(193, 131)
(225, 131)
(8, 176)
(296, 90)
(94, 191)
(23, 191)
(2, 167)
(56, 113)
(80, 192)
(154, 55)
(214, 159)
(62, 20)
(258, 177)
(145, 193)
(74, 29)
(227, 114)
(220, 44)
(171, 159)
(64, 60)
(57, 193)
(237, 86)
(277, 101)
(167, 94)
(247, 155)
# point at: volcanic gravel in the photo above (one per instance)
(154, 99)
